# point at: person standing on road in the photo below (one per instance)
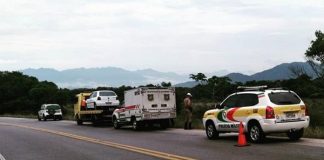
(188, 111)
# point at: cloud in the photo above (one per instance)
(169, 35)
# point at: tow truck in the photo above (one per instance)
(83, 112)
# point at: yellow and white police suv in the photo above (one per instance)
(262, 111)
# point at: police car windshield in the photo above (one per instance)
(284, 98)
(107, 93)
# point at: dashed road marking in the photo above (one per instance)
(140, 150)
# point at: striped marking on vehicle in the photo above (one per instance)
(140, 150)
(133, 107)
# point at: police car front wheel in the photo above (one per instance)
(115, 123)
(211, 131)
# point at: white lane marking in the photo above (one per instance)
(1, 157)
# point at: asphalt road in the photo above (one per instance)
(30, 139)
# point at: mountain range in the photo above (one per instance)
(112, 76)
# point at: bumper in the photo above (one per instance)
(56, 115)
(107, 105)
(269, 126)
(158, 115)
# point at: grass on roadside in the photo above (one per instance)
(32, 116)
(68, 114)
(314, 132)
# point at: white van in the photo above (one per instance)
(146, 106)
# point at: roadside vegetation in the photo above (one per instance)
(22, 95)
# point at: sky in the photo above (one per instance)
(183, 36)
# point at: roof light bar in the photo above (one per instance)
(252, 88)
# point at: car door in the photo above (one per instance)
(224, 119)
(247, 105)
(243, 108)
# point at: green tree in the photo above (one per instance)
(315, 54)
(166, 84)
(199, 77)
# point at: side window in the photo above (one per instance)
(166, 97)
(150, 97)
(230, 102)
(246, 100)
(94, 94)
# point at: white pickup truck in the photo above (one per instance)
(146, 106)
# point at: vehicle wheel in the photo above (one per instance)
(135, 124)
(54, 118)
(60, 118)
(211, 131)
(39, 119)
(295, 135)
(115, 123)
(79, 121)
(44, 118)
(255, 133)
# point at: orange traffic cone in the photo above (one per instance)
(241, 142)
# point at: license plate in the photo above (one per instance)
(90, 106)
(290, 115)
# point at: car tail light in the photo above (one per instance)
(304, 107)
(99, 98)
(270, 113)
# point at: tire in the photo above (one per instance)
(211, 131)
(79, 121)
(295, 135)
(39, 118)
(255, 133)
(44, 118)
(115, 123)
(135, 124)
(172, 123)
(60, 118)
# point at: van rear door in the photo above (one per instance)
(151, 100)
(166, 100)
(159, 100)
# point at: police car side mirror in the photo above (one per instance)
(218, 106)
